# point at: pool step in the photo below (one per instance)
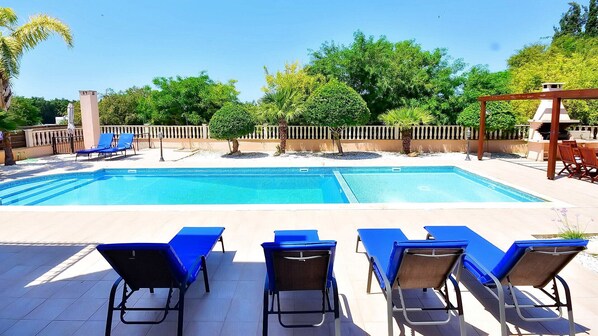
(57, 186)
(58, 191)
(22, 188)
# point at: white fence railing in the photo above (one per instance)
(36, 138)
(43, 137)
(269, 132)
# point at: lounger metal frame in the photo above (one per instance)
(388, 287)
(127, 292)
(498, 291)
(273, 296)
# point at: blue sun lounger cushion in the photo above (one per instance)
(125, 141)
(490, 258)
(104, 142)
(412, 264)
(533, 263)
(172, 265)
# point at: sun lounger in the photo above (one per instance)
(175, 265)
(104, 142)
(527, 263)
(125, 141)
(572, 165)
(413, 264)
(589, 163)
(298, 260)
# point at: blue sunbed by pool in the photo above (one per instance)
(172, 265)
(104, 142)
(298, 260)
(413, 264)
(533, 263)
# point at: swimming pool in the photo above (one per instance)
(310, 185)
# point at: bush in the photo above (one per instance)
(231, 122)
(336, 105)
(500, 121)
(470, 117)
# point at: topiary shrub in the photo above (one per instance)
(231, 122)
(337, 106)
(501, 121)
(470, 116)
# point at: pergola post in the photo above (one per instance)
(482, 131)
(554, 137)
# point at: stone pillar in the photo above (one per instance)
(29, 140)
(90, 117)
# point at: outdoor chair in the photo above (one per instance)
(533, 263)
(175, 265)
(125, 141)
(298, 260)
(572, 143)
(413, 264)
(571, 164)
(589, 163)
(104, 142)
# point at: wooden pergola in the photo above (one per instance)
(557, 97)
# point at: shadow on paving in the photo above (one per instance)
(47, 287)
(245, 155)
(552, 327)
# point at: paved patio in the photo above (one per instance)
(53, 282)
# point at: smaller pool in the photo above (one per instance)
(309, 185)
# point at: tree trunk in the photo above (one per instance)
(9, 159)
(283, 130)
(235, 146)
(406, 135)
(336, 135)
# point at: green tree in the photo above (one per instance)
(285, 94)
(567, 59)
(24, 112)
(571, 23)
(591, 28)
(129, 107)
(388, 75)
(479, 81)
(337, 106)
(14, 42)
(498, 116)
(189, 100)
(405, 118)
(231, 122)
(50, 109)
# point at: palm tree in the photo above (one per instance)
(14, 41)
(405, 118)
(283, 106)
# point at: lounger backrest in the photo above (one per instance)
(566, 153)
(536, 262)
(145, 265)
(125, 140)
(299, 265)
(105, 140)
(424, 263)
(572, 143)
(588, 157)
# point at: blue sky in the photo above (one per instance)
(119, 44)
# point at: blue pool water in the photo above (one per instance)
(260, 186)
